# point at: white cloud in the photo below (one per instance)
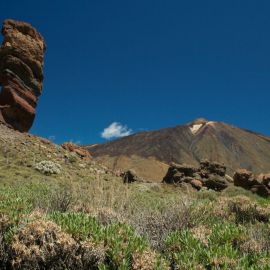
(115, 130)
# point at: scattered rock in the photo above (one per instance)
(80, 151)
(21, 74)
(257, 184)
(197, 184)
(130, 176)
(45, 141)
(229, 178)
(211, 175)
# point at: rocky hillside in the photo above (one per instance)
(25, 156)
(150, 152)
(59, 210)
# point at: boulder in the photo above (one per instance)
(209, 175)
(228, 178)
(197, 184)
(178, 172)
(259, 185)
(21, 74)
(187, 179)
(208, 167)
(178, 177)
(266, 180)
(130, 176)
(169, 178)
(245, 179)
(216, 182)
(187, 170)
(261, 190)
(80, 151)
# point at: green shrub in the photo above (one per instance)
(48, 167)
(221, 249)
(121, 243)
(41, 244)
(14, 204)
(79, 225)
(247, 211)
(60, 200)
(183, 250)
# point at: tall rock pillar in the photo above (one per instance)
(21, 74)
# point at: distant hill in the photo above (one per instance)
(149, 153)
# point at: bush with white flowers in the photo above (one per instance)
(48, 167)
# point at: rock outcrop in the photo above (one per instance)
(80, 151)
(259, 185)
(21, 74)
(266, 180)
(130, 176)
(211, 175)
(208, 168)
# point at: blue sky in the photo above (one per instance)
(149, 64)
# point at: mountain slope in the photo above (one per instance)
(189, 143)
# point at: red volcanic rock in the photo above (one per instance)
(244, 178)
(21, 74)
(83, 153)
(259, 185)
(261, 190)
(207, 167)
(266, 180)
(210, 175)
(197, 184)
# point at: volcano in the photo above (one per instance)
(149, 153)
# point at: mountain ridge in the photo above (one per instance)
(190, 143)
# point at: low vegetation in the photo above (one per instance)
(48, 167)
(131, 227)
(86, 218)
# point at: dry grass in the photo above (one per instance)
(86, 218)
(41, 244)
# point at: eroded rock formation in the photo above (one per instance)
(21, 74)
(80, 151)
(256, 184)
(211, 175)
